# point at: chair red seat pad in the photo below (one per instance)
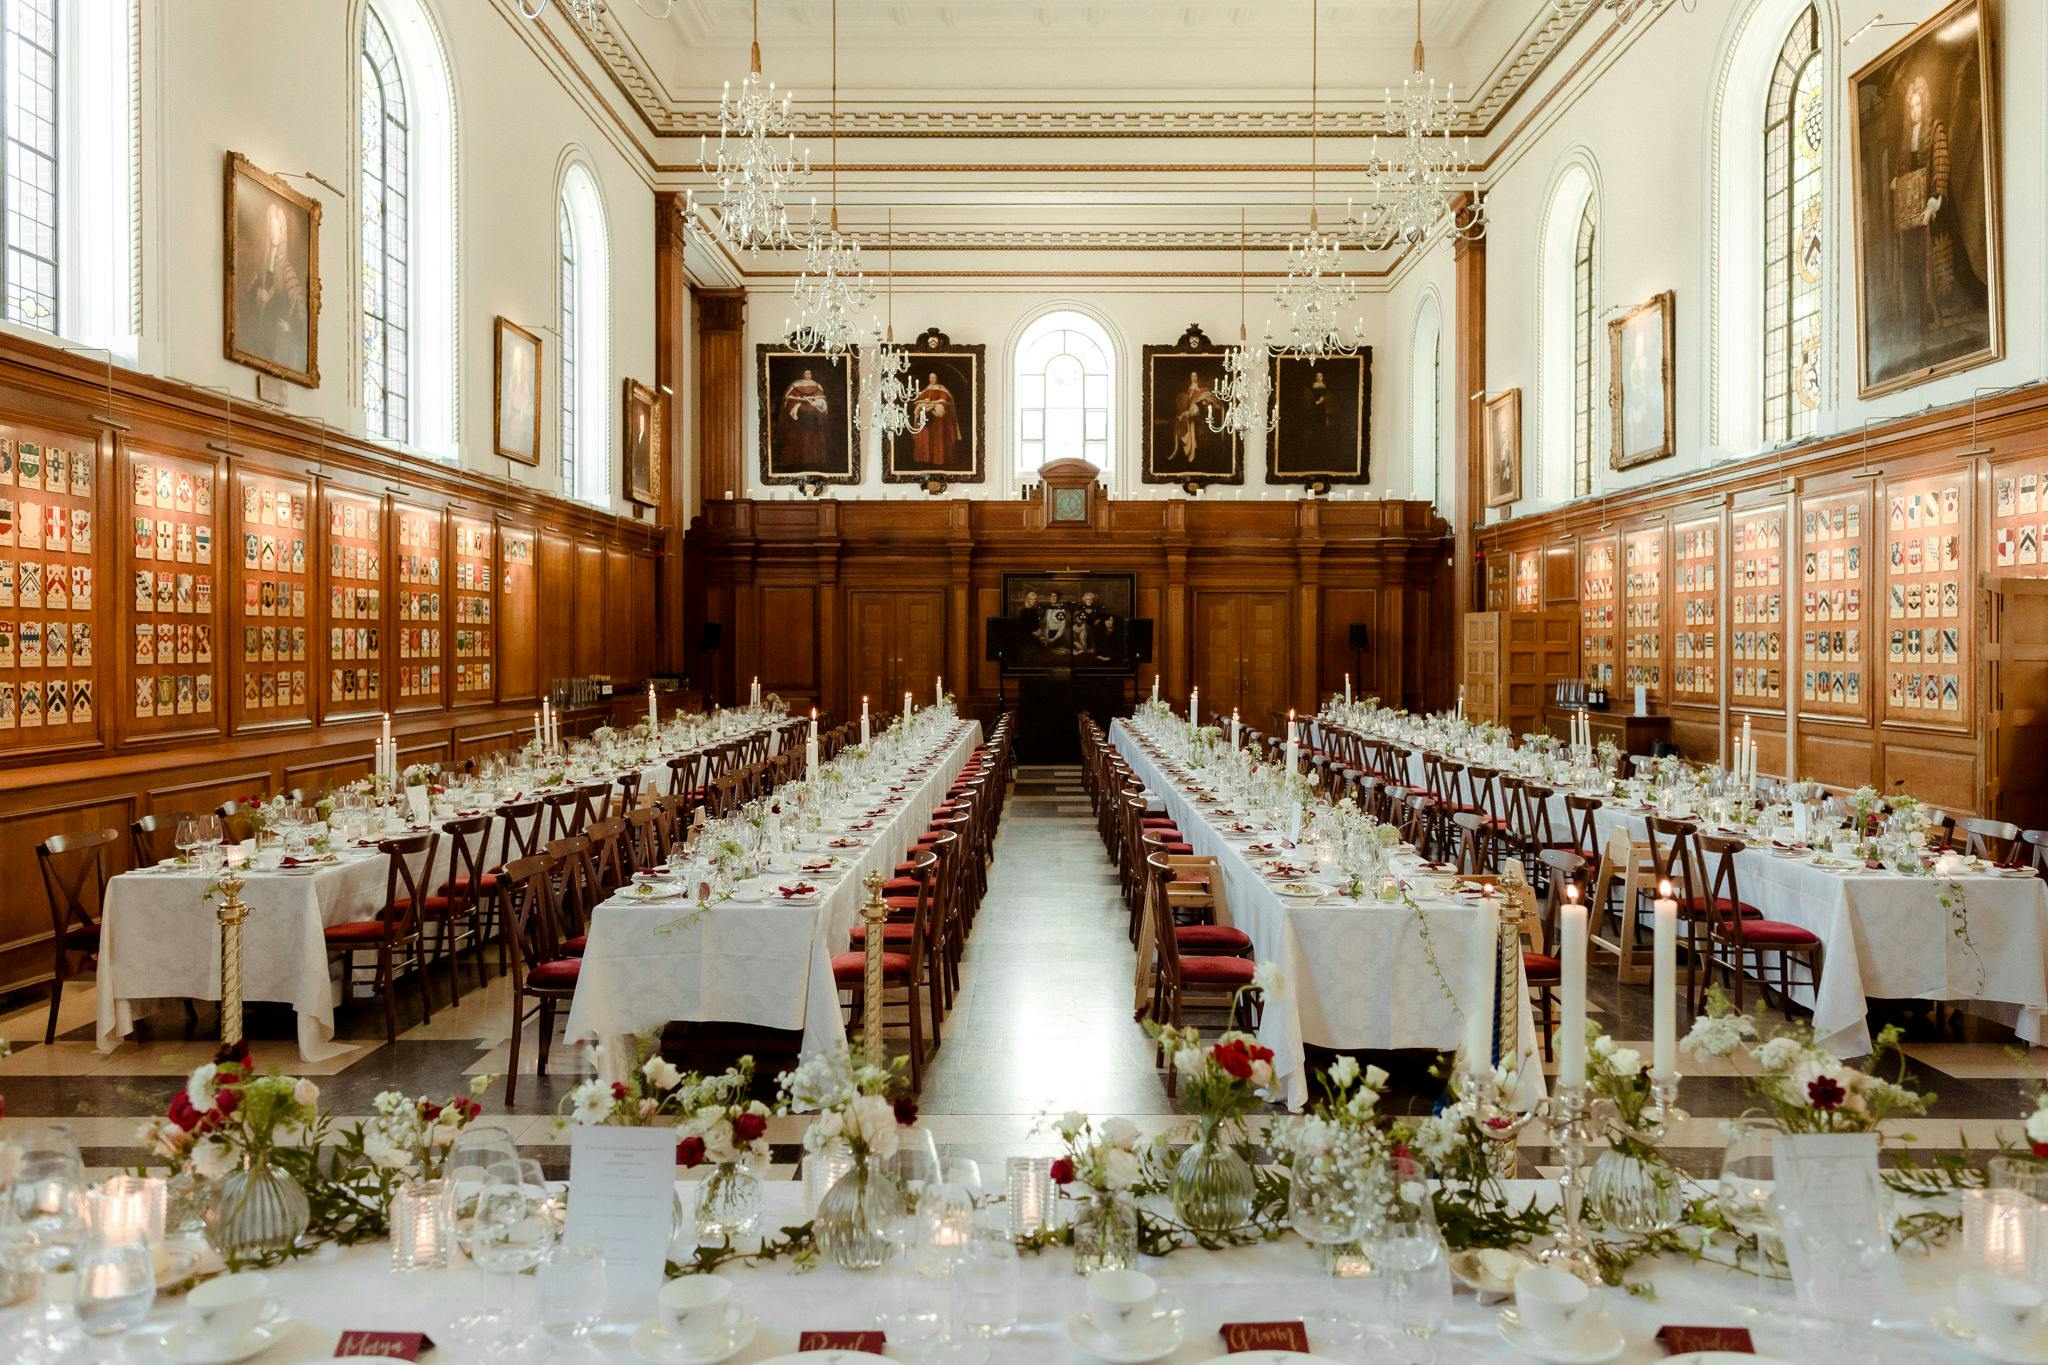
(1217, 971)
(853, 967)
(1211, 940)
(560, 974)
(1777, 934)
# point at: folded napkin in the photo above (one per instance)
(800, 889)
(1285, 870)
(822, 865)
(290, 861)
(873, 814)
(843, 843)
(862, 824)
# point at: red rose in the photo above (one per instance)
(1258, 1053)
(1233, 1058)
(235, 1054)
(1825, 1092)
(2041, 1149)
(747, 1127)
(429, 1111)
(469, 1109)
(1062, 1172)
(690, 1152)
(618, 1090)
(182, 1113)
(906, 1111)
(225, 1101)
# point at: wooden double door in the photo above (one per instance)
(1242, 653)
(896, 643)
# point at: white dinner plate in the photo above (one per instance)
(1302, 890)
(183, 1345)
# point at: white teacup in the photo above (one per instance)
(1555, 1304)
(694, 1309)
(2001, 1310)
(1124, 1304)
(227, 1308)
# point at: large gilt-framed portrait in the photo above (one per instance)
(1180, 402)
(1641, 391)
(807, 428)
(1502, 446)
(1322, 429)
(946, 394)
(1924, 149)
(271, 284)
(1069, 619)
(642, 439)
(515, 392)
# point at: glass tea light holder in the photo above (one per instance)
(422, 1225)
(1034, 1199)
(2002, 1231)
(129, 1209)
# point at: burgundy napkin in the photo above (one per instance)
(870, 1342)
(1682, 1340)
(800, 889)
(1265, 1336)
(384, 1345)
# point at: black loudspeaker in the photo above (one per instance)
(713, 633)
(1141, 639)
(1358, 637)
(999, 641)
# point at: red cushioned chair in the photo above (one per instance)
(1675, 858)
(1733, 940)
(1182, 983)
(541, 973)
(393, 934)
(75, 877)
(1540, 964)
(904, 968)
(519, 823)
(452, 913)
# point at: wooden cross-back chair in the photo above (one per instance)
(74, 868)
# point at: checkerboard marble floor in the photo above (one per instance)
(1042, 1024)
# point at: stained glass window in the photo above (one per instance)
(1795, 246)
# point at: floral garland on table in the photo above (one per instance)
(1955, 903)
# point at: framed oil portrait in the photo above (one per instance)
(1640, 344)
(515, 393)
(807, 428)
(946, 394)
(1502, 446)
(271, 285)
(1069, 619)
(1924, 150)
(1321, 432)
(1181, 445)
(642, 444)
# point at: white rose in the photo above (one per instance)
(718, 1143)
(1121, 1133)
(384, 1154)
(1603, 1046)
(2037, 1126)
(1262, 1075)
(1376, 1078)
(1122, 1169)
(661, 1074)
(305, 1092)
(211, 1159)
(1343, 1072)
(1071, 1123)
(1188, 1061)
(1626, 1062)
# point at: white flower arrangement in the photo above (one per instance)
(419, 774)
(1111, 1157)
(1802, 1085)
(852, 1098)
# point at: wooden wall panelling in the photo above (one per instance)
(642, 611)
(518, 637)
(590, 620)
(789, 653)
(25, 914)
(1560, 573)
(722, 374)
(2012, 651)
(142, 600)
(625, 616)
(1342, 608)
(557, 613)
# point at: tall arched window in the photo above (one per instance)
(1795, 148)
(1064, 386)
(405, 218)
(1568, 357)
(1424, 390)
(1582, 355)
(584, 322)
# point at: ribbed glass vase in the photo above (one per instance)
(1212, 1187)
(1633, 1194)
(852, 1215)
(257, 1212)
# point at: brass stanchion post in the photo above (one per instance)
(874, 913)
(231, 913)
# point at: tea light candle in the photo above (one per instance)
(1998, 1230)
(1571, 1026)
(1664, 984)
(129, 1208)
(1032, 1197)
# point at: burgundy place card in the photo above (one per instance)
(384, 1345)
(870, 1342)
(1265, 1336)
(1683, 1340)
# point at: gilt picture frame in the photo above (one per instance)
(805, 405)
(1181, 444)
(1502, 448)
(945, 378)
(1642, 387)
(1322, 429)
(515, 392)
(270, 281)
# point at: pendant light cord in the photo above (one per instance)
(1241, 333)
(835, 113)
(757, 37)
(1315, 52)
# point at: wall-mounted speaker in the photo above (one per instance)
(999, 639)
(1141, 639)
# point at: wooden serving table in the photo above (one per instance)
(1634, 734)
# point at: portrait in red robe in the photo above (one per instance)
(934, 447)
(803, 427)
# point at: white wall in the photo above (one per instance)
(275, 81)
(1645, 118)
(1137, 316)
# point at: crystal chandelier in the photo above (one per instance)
(757, 166)
(1246, 390)
(887, 392)
(832, 288)
(1316, 292)
(1414, 201)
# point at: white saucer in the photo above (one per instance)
(1949, 1321)
(183, 1346)
(651, 1343)
(1162, 1341)
(1602, 1341)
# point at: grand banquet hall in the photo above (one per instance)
(1318, 679)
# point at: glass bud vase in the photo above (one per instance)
(1105, 1236)
(728, 1202)
(1212, 1186)
(853, 1213)
(187, 1197)
(257, 1212)
(1633, 1194)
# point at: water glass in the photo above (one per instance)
(986, 1288)
(1746, 1184)
(572, 1290)
(1412, 1271)
(116, 1286)
(477, 1149)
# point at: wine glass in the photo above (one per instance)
(986, 1287)
(916, 1171)
(1324, 1205)
(211, 831)
(1412, 1269)
(572, 1290)
(511, 1233)
(1745, 1188)
(477, 1149)
(116, 1286)
(186, 838)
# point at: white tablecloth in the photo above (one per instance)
(1354, 975)
(1269, 1282)
(747, 961)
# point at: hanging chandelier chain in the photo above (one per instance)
(832, 290)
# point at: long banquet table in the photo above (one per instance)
(1884, 935)
(1273, 1281)
(751, 959)
(1355, 975)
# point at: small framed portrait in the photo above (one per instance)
(515, 393)
(1640, 345)
(807, 428)
(643, 444)
(1503, 448)
(1182, 411)
(271, 295)
(1321, 430)
(945, 405)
